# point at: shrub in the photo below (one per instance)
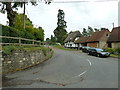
(113, 51)
(109, 50)
(117, 51)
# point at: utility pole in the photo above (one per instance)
(24, 16)
(113, 24)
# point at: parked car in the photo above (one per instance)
(98, 52)
(85, 49)
(81, 47)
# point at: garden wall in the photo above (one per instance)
(21, 59)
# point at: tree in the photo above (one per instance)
(90, 31)
(10, 5)
(60, 32)
(19, 19)
(37, 33)
(84, 33)
(53, 39)
(7, 6)
(95, 29)
(103, 28)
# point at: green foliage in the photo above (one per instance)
(113, 51)
(38, 33)
(12, 32)
(44, 50)
(84, 33)
(9, 49)
(103, 28)
(51, 41)
(110, 50)
(89, 31)
(30, 32)
(95, 29)
(60, 32)
(9, 31)
(20, 20)
(117, 56)
(9, 7)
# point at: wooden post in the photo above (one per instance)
(33, 42)
(39, 43)
(19, 42)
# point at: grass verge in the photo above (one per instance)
(116, 56)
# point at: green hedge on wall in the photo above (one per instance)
(12, 32)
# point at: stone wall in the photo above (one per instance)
(102, 44)
(19, 60)
(116, 45)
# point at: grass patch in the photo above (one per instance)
(9, 49)
(113, 55)
(61, 47)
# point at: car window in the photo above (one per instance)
(94, 50)
(99, 50)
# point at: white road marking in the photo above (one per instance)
(81, 74)
(84, 71)
(89, 62)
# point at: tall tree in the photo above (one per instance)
(9, 8)
(60, 32)
(13, 4)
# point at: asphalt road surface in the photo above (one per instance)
(67, 69)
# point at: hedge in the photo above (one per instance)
(113, 51)
(12, 32)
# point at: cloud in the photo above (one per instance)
(77, 15)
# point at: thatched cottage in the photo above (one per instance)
(72, 36)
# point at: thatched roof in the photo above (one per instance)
(82, 39)
(115, 35)
(72, 36)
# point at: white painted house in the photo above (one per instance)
(70, 40)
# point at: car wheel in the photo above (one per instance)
(88, 53)
(98, 55)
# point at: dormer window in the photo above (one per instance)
(107, 35)
(76, 38)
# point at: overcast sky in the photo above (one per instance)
(77, 15)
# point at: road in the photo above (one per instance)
(67, 69)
